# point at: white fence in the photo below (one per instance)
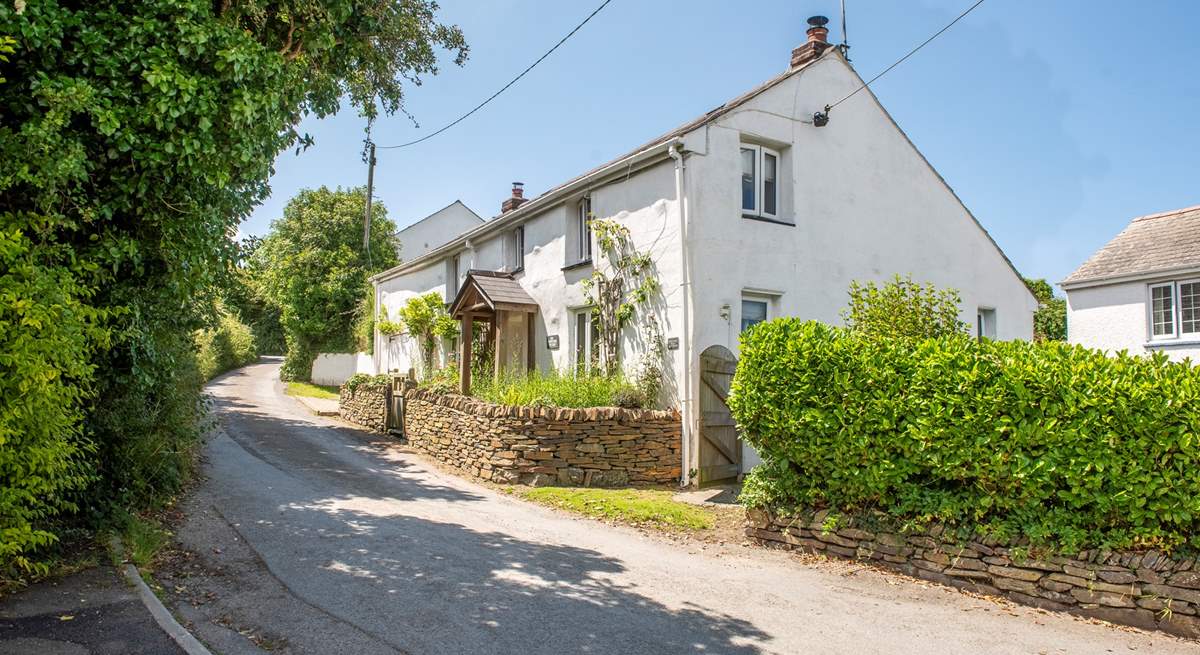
(335, 368)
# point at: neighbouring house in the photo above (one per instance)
(1141, 291)
(436, 229)
(755, 210)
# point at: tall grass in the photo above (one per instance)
(556, 389)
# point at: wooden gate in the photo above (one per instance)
(720, 447)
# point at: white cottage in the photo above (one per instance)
(749, 212)
(1141, 291)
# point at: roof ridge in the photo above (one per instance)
(1165, 214)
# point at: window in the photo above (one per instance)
(451, 277)
(1175, 309)
(760, 182)
(587, 341)
(1189, 307)
(1162, 310)
(985, 323)
(584, 229)
(516, 249)
(753, 312)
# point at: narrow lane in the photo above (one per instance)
(377, 552)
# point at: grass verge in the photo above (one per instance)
(312, 390)
(642, 507)
(142, 539)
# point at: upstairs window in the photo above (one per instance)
(584, 229)
(1175, 309)
(516, 249)
(1162, 310)
(760, 182)
(451, 277)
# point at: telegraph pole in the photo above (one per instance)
(370, 191)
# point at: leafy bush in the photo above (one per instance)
(1050, 319)
(1059, 443)
(223, 348)
(425, 318)
(365, 379)
(556, 389)
(902, 308)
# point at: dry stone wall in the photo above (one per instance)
(1143, 589)
(365, 404)
(601, 447)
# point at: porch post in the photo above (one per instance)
(496, 318)
(464, 356)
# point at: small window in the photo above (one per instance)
(587, 341)
(760, 181)
(753, 312)
(451, 277)
(584, 229)
(1162, 310)
(985, 323)
(516, 249)
(1189, 307)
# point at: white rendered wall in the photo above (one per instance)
(865, 206)
(1113, 317)
(335, 368)
(435, 230)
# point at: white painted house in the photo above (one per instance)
(435, 229)
(1141, 291)
(749, 212)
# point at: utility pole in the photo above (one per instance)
(370, 191)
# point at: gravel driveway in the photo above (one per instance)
(306, 539)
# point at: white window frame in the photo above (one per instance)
(760, 155)
(583, 227)
(1179, 308)
(1174, 333)
(452, 276)
(766, 301)
(516, 246)
(589, 339)
(985, 323)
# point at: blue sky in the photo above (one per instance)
(1056, 122)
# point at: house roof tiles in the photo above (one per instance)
(1149, 244)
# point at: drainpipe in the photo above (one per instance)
(685, 398)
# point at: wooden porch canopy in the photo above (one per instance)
(486, 296)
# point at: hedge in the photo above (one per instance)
(1058, 443)
(223, 348)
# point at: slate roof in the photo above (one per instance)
(495, 286)
(1149, 244)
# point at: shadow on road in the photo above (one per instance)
(348, 530)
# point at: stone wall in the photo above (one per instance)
(604, 446)
(365, 405)
(1142, 589)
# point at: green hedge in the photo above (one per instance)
(1061, 444)
(223, 348)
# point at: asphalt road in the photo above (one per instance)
(307, 539)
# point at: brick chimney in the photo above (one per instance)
(518, 198)
(816, 44)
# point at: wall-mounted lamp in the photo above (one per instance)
(725, 311)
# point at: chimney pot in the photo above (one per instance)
(816, 44)
(518, 198)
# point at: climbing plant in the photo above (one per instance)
(617, 291)
(426, 319)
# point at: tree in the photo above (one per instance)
(134, 137)
(1050, 319)
(245, 296)
(314, 269)
(426, 320)
(903, 308)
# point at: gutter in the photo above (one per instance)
(533, 207)
(685, 399)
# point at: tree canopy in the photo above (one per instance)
(1050, 319)
(901, 307)
(134, 137)
(314, 269)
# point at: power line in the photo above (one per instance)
(900, 60)
(505, 87)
